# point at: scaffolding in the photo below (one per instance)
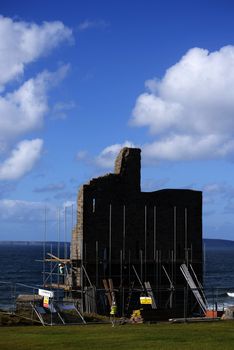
(105, 279)
(159, 278)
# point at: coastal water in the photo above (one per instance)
(22, 269)
(219, 273)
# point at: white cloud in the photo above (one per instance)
(23, 110)
(69, 205)
(156, 113)
(28, 212)
(60, 109)
(107, 157)
(18, 210)
(87, 24)
(191, 108)
(188, 147)
(22, 43)
(21, 160)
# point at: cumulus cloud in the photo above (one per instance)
(22, 43)
(20, 215)
(15, 210)
(23, 110)
(190, 110)
(21, 160)
(18, 210)
(107, 157)
(188, 147)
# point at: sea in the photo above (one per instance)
(23, 270)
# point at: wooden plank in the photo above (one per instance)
(64, 261)
(58, 286)
(150, 294)
(107, 291)
(193, 287)
(111, 287)
(56, 258)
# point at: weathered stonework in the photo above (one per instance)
(119, 226)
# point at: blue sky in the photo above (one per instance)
(81, 79)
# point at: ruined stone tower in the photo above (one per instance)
(119, 226)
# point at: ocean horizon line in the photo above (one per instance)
(34, 242)
(24, 242)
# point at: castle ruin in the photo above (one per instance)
(131, 236)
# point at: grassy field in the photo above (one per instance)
(202, 336)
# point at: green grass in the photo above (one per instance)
(202, 336)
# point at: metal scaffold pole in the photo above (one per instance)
(186, 236)
(155, 245)
(44, 243)
(145, 255)
(141, 264)
(110, 238)
(97, 264)
(124, 231)
(58, 244)
(65, 232)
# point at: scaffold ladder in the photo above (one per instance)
(150, 294)
(200, 286)
(193, 287)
